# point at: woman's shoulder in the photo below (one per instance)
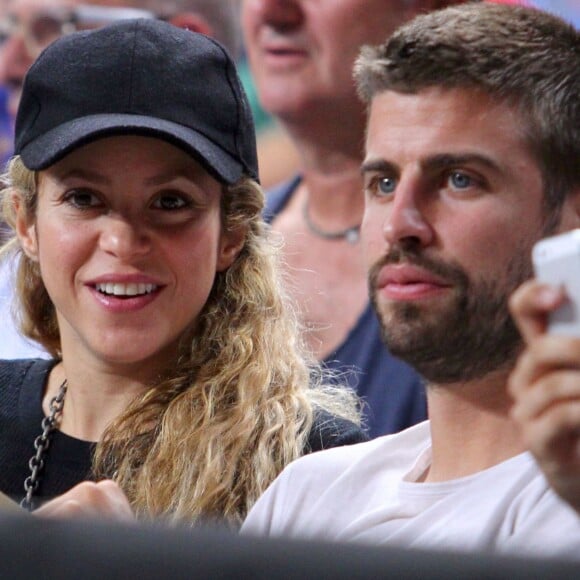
(329, 431)
(15, 371)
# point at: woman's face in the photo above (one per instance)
(128, 238)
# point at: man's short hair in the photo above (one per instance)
(522, 56)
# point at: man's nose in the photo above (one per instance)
(407, 219)
(279, 13)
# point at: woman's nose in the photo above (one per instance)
(124, 238)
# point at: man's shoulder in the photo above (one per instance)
(278, 196)
(324, 487)
(386, 452)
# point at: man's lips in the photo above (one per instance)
(278, 47)
(283, 49)
(283, 57)
(409, 282)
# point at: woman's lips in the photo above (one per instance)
(126, 293)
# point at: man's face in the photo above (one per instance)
(453, 207)
(302, 51)
(28, 26)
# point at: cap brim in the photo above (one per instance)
(62, 140)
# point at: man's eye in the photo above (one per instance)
(170, 202)
(82, 199)
(460, 180)
(386, 185)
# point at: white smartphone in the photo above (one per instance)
(557, 262)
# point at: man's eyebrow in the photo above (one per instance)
(378, 166)
(442, 161)
(447, 160)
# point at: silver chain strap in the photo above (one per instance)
(351, 235)
(41, 443)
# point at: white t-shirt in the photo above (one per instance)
(369, 493)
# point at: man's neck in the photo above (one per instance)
(335, 198)
(331, 153)
(470, 427)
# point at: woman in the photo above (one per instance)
(147, 274)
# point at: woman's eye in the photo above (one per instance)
(459, 180)
(171, 202)
(82, 199)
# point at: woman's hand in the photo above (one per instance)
(103, 500)
(545, 386)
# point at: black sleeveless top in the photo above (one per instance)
(22, 384)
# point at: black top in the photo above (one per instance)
(22, 384)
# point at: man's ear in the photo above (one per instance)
(570, 212)
(25, 228)
(192, 21)
(231, 244)
(574, 196)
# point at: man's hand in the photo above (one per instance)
(545, 386)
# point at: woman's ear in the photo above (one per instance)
(25, 228)
(231, 244)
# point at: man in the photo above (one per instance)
(28, 26)
(472, 153)
(301, 54)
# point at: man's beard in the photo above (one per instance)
(472, 336)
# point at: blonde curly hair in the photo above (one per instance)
(208, 439)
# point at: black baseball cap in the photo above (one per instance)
(143, 77)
